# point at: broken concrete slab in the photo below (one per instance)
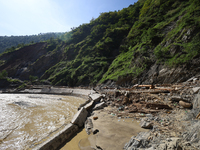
(82, 105)
(89, 105)
(95, 97)
(80, 117)
(55, 141)
(99, 106)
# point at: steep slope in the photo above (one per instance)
(152, 41)
(162, 46)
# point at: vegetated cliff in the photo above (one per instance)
(151, 41)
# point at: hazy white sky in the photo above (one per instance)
(27, 17)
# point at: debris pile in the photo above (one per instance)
(171, 112)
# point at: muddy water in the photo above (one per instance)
(26, 119)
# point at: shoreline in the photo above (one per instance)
(168, 127)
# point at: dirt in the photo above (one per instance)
(112, 132)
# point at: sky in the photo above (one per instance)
(31, 17)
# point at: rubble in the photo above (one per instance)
(177, 124)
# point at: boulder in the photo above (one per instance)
(89, 126)
(185, 104)
(146, 124)
(169, 144)
(80, 117)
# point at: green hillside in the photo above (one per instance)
(124, 45)
(11, 42)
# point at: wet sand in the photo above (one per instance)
(113, 133)
(73, 144)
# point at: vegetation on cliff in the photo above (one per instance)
(121, 45)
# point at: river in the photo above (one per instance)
(25, 119)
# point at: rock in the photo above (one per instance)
(196, 90)
(95, 97)
(99, 106)
(95, 131)
(146, 124)
(89, 126)
(80, 117)
(140, 141)
(95, 118)
(173, 143)
(185, 104)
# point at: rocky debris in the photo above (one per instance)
(146, 124)
(176, 126)
(139, 141)
(89, 126)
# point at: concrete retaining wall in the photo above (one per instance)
(54, 142)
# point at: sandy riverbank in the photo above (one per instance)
(113, 132)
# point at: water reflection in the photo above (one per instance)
(27, 118)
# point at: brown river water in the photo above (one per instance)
(25, 119)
